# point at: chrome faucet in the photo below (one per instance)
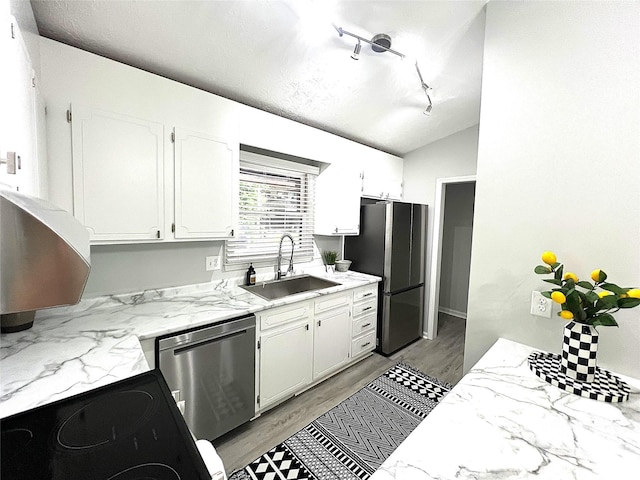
(290, 269)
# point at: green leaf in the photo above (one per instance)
(558, 273)
(585, 284)
(604, 319)
(609, 301)
(602, 277)
(555, 265)
(546, 294)
(553, 280)
(592, 297)
(628, 302)
(612, 287)
(542, 270)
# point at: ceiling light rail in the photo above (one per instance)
(382, 43)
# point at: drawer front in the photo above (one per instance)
(323, 304)
(364, 308)
(281, 315)
(363, 325)
(363, 344)
(364, 293)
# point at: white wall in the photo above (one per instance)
(558, 167)
(452, 156)
(457, 234)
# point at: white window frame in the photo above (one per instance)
(263, 248)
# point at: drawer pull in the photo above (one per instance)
(367, 294)
(365, 325)
(367, 308)
(365, 345)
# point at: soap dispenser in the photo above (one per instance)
(251, 275)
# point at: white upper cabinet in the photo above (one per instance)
(21, 113)
(205, 206)
(118, 176)
(382, 176)
(338, 200)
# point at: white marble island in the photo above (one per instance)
(502, 422)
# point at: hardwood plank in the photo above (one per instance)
(441, 358)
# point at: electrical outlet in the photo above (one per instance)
(540, 305)
(212, 263)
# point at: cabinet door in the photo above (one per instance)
(206, 185)
(18, 123)
(117, 175)
(331, 342)
(382, 177)
(338, 201)
(285, 362)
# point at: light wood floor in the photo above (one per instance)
(441, 358)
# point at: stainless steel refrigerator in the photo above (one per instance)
(391, 245)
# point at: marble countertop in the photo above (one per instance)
(502, 422)
(70, 350)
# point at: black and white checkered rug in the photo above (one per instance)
(352, 439)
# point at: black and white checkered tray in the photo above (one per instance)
(605, 388)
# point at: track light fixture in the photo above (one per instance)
(382, 43)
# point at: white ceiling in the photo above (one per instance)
(286, 58)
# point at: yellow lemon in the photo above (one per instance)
(566, 314)
(634, 293)
(571, 276)
(558, 297)
(549, 258)
(604, 294)
(595, 275)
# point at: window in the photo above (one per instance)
(276, 197)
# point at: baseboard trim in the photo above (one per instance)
(453, 313)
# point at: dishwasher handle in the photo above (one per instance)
(191, 346)
(203, 334)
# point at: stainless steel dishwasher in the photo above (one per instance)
(211, 374)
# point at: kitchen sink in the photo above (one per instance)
(288, 286)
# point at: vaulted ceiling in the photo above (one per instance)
(285, 57)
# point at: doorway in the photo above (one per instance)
(451, 250)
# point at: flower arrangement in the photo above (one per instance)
(582, 301)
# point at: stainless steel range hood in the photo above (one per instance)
(44, 258)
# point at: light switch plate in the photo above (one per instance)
(540, 305)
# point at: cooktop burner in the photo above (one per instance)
(108, 419)
(129, 430)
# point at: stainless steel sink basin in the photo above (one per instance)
(288, 286)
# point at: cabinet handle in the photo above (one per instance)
(365, 326)
(157, 233)
(367, 294)
(232, 232)
(366, 308)
(306, 327)
(365, 345)
(319, 323)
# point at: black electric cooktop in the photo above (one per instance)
(129, 430)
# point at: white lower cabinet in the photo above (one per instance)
(302, 343)
(331, 341)
(285, 352)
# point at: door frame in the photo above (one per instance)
(436, 251)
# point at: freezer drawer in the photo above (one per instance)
(400, 319)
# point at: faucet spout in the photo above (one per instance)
(290, 269)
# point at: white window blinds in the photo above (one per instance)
(276, 197)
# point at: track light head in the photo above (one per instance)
(356, 51)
